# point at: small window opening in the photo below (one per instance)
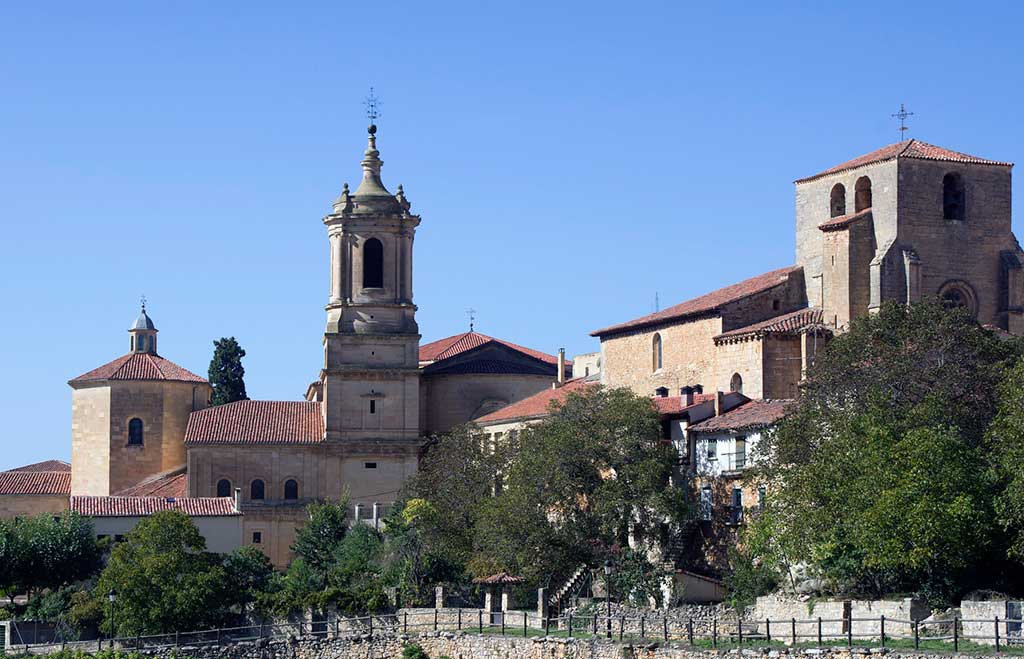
(736, 509)
(837, 200)
(775, 305)
(291, 489)
(369, 465)
(862, 194)
(373, 264)
(657, 356)
(135, 432)
(736, 383)
(223, 488)
(256, 490)
(953, 196)
(257, 537)
(712, 449)
(373, 406)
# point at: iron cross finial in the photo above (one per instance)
(372, 104)
(142, 299)
(471, 312)
(902, 116)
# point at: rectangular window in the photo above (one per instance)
(762, 495)
(369, 465)
(741, 453)
(257, 537)
(736, 509)
(712, 449)
(705, 503)
(373, 407)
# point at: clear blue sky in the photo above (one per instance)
(569, 161)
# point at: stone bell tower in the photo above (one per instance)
(371, 344)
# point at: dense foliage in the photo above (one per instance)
(882, 478)
(226, 373)
(46, 552)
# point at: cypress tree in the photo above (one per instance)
(226, 372)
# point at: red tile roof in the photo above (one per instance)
(35, 482)
(843, 221)
(906, 149)
(453, 345)
(748, 416)
(674, 404)
(257, 422)
(174, 484)
(140, 366)
(45, 465)
(539, 404)
(142, 506)
(498, 579)
(707, 303)
(789, 323)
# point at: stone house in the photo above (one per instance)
(35, 489)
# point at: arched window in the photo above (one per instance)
(959, 295)
(223, 488)
(837, 200)
(291, 489)
(256, 490)
(135, 432)
(373, 264)
(862, 194)
(656, 353)
(736, 383)
(953, 196)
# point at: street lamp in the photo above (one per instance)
(112, 597)
(608, 593)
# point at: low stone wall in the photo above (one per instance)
(700, 617)
(978, 621)
(861, 618)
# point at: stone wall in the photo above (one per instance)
(30, 505)
(860, 618)
(979, 620)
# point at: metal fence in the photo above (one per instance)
(956, 634)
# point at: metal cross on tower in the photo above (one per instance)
(902, 116)
(372, 104)
(471, 312)
(142, 299)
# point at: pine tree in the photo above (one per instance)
(226, 372)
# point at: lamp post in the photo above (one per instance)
(608, 594)
(112, 597)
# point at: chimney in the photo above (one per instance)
(561, 366)
(698, 388)
(687, 394)
(719, 403)
(238, 499)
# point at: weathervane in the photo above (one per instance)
(902, 116)
(372, 104)
(471, 312)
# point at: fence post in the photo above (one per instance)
(503, 622)
(768, 630)
(405, 622)
(643, 634)
(997, 633)
(480, 620)
(547, 625)
(525, 617)
(739, 629)
(917, 635)
(593, 620)
(714, 632)
(882, 620)
(689, 630)
(819, 631)
(460, 618)
(664, 626)
(371, 625)
(849, 633)
(570, 625)
(956, 635)
(792, 623)
(435, 620)
(622, 625)
(218, 637)
(175, 640)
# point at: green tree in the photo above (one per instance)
(1006, 435)
(227, 375)
(47, 552)
(250, 574)
(164, 579)
(317, 542)
(879, 478)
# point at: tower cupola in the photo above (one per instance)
(143, 333)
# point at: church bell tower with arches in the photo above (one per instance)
(371, 372)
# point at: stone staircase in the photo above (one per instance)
(570, 587)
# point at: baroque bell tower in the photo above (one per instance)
(371, 344)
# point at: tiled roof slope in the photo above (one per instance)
(257, 422)
(538, 404)
(173, 484)
(140, 366)
(843, 221)
(708, 302)
(35, 482)
(453, 345)
(785, 324)
(45, 465)
(752, 414)
(906, 149)
(674, 404)
(142, 506)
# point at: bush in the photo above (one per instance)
(414, 651)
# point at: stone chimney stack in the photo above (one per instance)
(719, 402)
(687, 395)
(561, 366)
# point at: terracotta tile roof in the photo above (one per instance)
(539, 404)
(453, 345)
(674, 404)
(499, 579)
(35, 482)
(173, 484)
(142, 506)
(257, 422)
(708, 302)
(140, 366)
(789, 323)
(748, 416)
(906, 149)
(843, 221)
(45, 465)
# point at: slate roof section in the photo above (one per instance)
(35, 483)
(539, 404)
(257, 422)
(844, 221)
(142, 506)
(459, 343)
(906, 149)
(748, 416)
(140, 366)
(45, 465)
(707, 303)
(790, 323)
(172, 484)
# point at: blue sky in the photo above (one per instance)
(569, 160)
